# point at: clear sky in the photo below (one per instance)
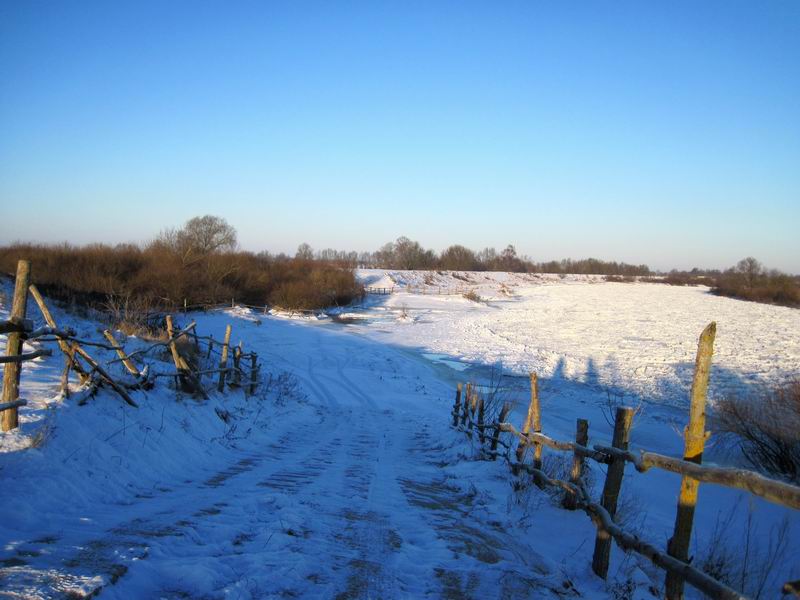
(657, 132)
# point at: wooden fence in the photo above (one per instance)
(231, 368)
(470, 416)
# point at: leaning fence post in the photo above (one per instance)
(576, 475)
(223, 361)
(695, 438)
(210, 345)
(10, 418)
(457, 405)
(68, 348)
(533, 420)
(500, 419)
(611, 488)
(127, 362)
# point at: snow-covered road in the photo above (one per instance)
(357, 490)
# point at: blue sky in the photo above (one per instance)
(657, 132)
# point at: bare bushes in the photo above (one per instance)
(745, 556)
(198, 264)
(472, 296)
(765, 428)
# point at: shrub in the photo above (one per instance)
(765, 428)
(472, 296)
(198, 264)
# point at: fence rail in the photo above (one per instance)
(469, 415)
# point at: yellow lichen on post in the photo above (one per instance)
(533, 421)
(223, 361)
(695, 439)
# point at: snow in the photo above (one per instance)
(344, 478)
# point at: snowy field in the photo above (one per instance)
(343, 479)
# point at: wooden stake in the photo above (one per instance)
(533, 420)
(602, 544)
(223, 362)
(500, 419)
(210, 345)
(695, 439)
(253, 373)
(457, 405)
(481, 415)
(237, 374)
(121, 353)
(68, 348)
(465, 412)
(582, 439)
(12, 371)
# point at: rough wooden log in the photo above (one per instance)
(695, 438)
(121, 353)
(596, 455)
(68, 348)
(465, 412)
(12, 370)
(20, 358)
(611, 489)
(236, 380)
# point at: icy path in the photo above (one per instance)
(359, 492)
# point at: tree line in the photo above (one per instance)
(407, 254)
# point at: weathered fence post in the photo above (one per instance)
(237, 373)
(121, 354)
(533, 420)
(500, 419)
(611, 488)
(210, 345)
(180, 364)
(481, 416)
(253, 372)
(457, 405)
(223, 361)
(695, 438)
(576, 475)
(467, 397)
(11, 373)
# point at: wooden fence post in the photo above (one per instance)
(481, 416)
(210, 345)
(237, 374)
(457, 405)
(533, 420)
(582, 439)
(11, 373)
(467, 397)
(121, 353)
(500, 419)
(253, 372)
(611, 488)
(68, 348)
(180, 364)
(223, 362)
(695, 438)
